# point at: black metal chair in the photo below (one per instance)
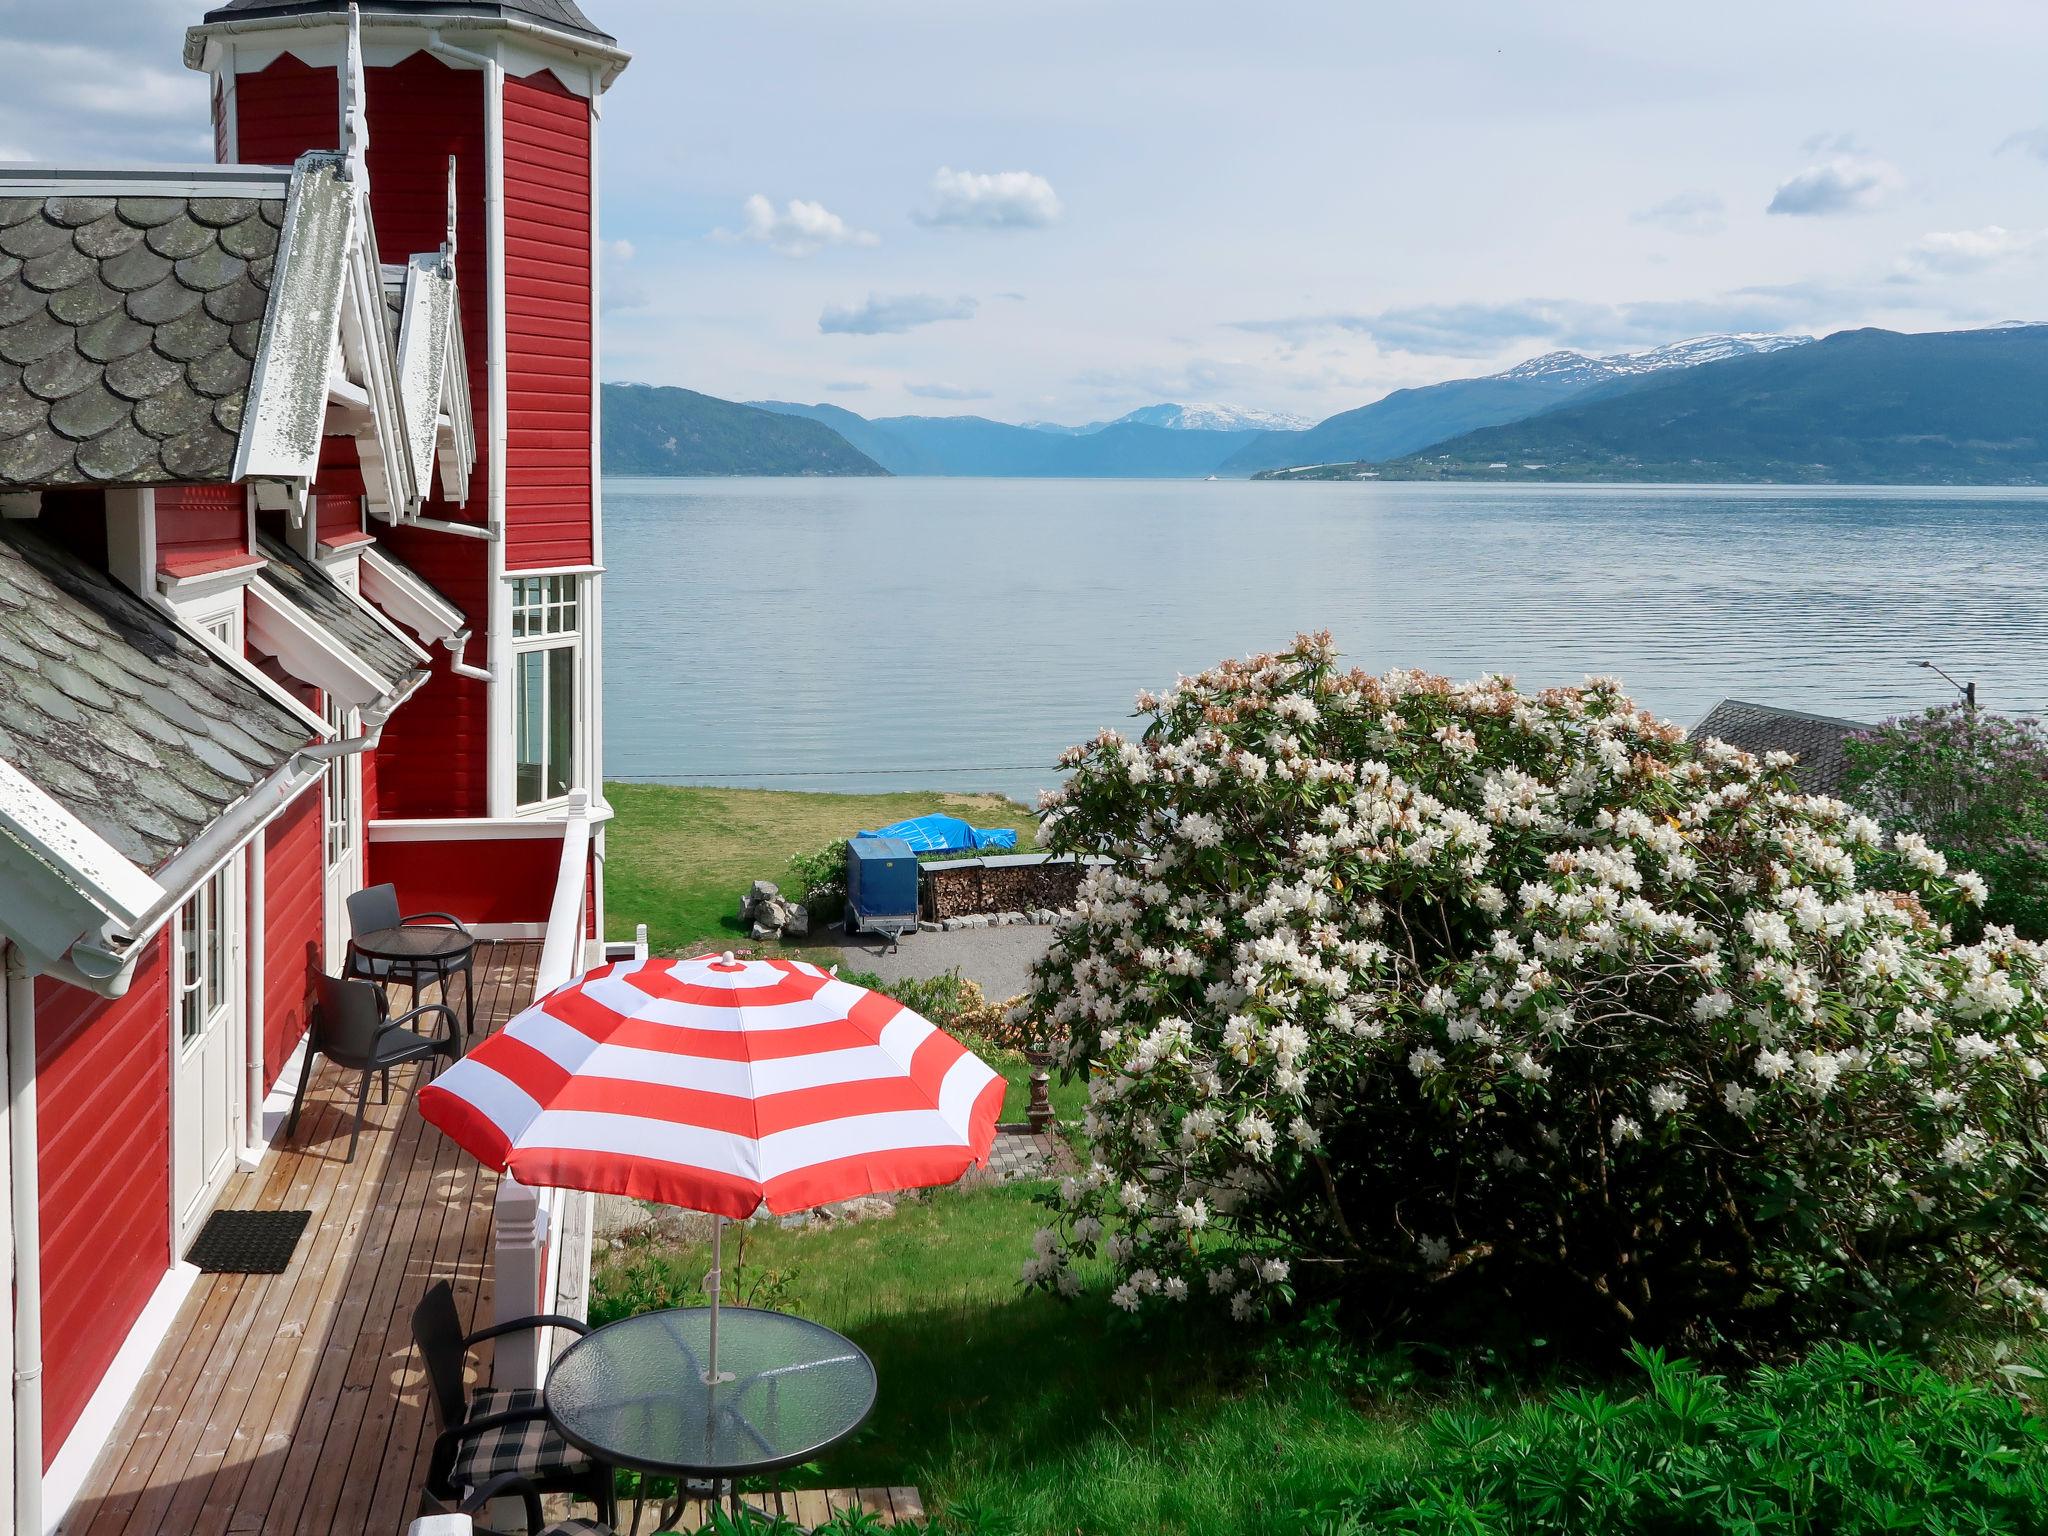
(375, 908)
(351, 1030)
(511, 1485)
(495, 1432)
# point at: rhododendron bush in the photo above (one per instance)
(1447, 994)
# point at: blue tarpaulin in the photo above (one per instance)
(945, 834)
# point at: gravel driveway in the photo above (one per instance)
(999, 959)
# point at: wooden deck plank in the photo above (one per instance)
(244, 1408)
(812, 1507)
(907, 1503)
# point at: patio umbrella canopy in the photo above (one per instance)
(720, 1085)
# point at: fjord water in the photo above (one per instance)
(927, 633)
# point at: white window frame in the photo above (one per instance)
(561, 608)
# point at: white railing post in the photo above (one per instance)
(524, 1272)
(519, 1242)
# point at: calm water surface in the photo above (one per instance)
(905, 633)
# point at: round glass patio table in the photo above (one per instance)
(633, 1392)
(423, 947)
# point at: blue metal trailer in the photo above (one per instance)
(881, 887)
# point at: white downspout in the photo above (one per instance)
(252, 1112)
(26, 1220)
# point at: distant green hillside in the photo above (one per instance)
(974, 445)
(1860, 407)
(653, 430)
(1406, 420)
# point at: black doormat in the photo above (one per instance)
(247, 1242)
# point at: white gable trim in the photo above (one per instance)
(58, 877)
(307, 651)
(409, 600)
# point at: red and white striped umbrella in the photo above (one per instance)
(720, 1085)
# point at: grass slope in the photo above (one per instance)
(1044, 1416)
(651, 430)
(1860, 407)
(679, 858)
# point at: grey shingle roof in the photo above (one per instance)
(129, 326)
(562, 15)
(314, 593)
(1760, 728)
(135, 729)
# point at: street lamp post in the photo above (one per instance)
(1967, 690)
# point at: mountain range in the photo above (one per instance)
(658, 430)
(1860, 407)
(1863, 405)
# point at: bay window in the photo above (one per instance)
(546, 666)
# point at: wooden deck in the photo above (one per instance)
(293, 1404)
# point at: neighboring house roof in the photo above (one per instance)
(1815, 739)
(129, 329)
(322, 601)
(561, 15)
(134, 728)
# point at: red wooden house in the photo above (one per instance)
(300, 590)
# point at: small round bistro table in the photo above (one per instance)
(423, 948)
(633, 1393)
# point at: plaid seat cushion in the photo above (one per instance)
(531, 1448)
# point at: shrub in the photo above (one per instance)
(1449, 996)
(1847, 1441)
(1975, 785)
(958, 1006)
(821, 877)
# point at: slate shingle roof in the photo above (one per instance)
(129, 327)
(1760, 728)
(135, 729)
(562, 15)
(314, 593)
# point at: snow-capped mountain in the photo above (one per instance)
(1577, 367)
(1214, 418)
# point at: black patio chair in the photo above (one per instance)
(351, 1030)
(490, 1433)
(511, 1485)
(375, 908)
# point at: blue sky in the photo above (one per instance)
(1048, 209)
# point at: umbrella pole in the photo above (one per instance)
(717, 1279)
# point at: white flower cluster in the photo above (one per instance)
(1548, 918)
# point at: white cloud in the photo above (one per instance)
(1841, 184)
(798, 228)
(1687, 213)
(618, 287)
(991, 200)
(886, 314)
(948, 392)
(1957, 251)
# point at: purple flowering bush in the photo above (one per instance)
(1975, 787)
(1449, 999)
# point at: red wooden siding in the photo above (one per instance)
(433, 759)
(201, 527)
(284, 110)
(103, 1105)
(337, 493)
(434, 754)
(547, 324)
(294, 924)
(483, 880)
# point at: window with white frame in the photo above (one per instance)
(203, 982)
(342, 789)
(546, 662)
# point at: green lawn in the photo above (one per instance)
(1021, 1413)
(680, 858)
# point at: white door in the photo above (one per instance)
(206, 1033)
(344, 856)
